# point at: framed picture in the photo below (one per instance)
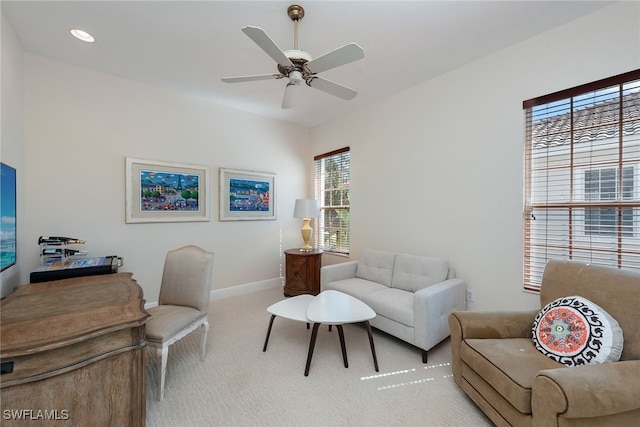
(8, 213)
(247, 195)
(166, 192)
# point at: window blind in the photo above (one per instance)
(332, 191)
(582, 176)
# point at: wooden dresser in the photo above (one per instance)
(302, 272)
(73, 353)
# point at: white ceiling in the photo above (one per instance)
(188, 46)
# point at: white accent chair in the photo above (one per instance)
(183, 304)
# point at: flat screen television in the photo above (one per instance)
(7, 216)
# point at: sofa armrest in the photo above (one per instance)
(588, 391)
(341, 271)
(486, 324)
(431, 308)
(493, 324)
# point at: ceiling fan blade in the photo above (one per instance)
(262, 39)
(340, 56)
(290, 95)
(241, 79)
(332, 88)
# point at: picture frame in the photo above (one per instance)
(158, 191)
(8, 225)
(247, 195)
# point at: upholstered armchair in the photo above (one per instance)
(515, 383)
(183, 304)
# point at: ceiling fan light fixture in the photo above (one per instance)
(295, 77)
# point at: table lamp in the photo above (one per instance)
(306, 209)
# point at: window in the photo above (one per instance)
(582, 176)
(332, 191)
(601, 184)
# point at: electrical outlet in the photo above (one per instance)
(471, 295)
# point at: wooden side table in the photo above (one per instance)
(302, 272)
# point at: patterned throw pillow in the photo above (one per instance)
(574, 331)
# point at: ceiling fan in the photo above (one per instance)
(299, 66)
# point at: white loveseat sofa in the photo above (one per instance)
(411, 295)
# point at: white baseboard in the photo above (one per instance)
(234, 291)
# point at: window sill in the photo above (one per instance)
(339, 254)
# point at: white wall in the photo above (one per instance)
(11, 136)
(437, 170)
(80, 126)
(439, 164)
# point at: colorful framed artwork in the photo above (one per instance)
(247, 195)
(166, 192)
(8, 214)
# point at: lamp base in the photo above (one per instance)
(306, 235)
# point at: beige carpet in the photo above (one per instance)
(240, 385)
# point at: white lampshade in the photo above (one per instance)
(306, 208)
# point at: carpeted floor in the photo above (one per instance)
(240, 385)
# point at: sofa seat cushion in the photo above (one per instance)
(412, 273)
(392, 303)
(508, 365)
(355, 287)
(376, 266)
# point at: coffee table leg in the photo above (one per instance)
(266, 340)
(312, 344)
(373, 349)
(342, 345)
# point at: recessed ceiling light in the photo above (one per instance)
(82, 35)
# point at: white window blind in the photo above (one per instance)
(582, 176)
(332, 191)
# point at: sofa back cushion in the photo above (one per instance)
(616, 291)
(412, 273)
(376, 266)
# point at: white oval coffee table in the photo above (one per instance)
(328, 307)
